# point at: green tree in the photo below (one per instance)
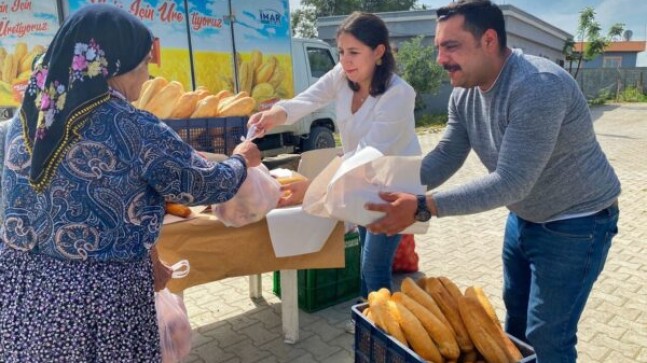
(332, 7)
(569, 52)
(417, 65)
(380, 6)
(589, 33)
(303, 22)
(344, 7)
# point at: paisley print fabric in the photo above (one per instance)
(106, 198)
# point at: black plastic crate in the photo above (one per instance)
(322, 288)
(372, 345)
(214, 135)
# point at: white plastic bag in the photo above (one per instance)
(344, 187)
(173, 321)
(258, 195)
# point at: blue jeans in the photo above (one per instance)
(378, 251)
(548, 271)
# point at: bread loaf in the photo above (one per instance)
(164, 102)
(185, 105)
(442, 335)
(414, 291)
(149, 89)
(206, 107)
(414, 332)
(482, 331)
(177, 209)
(240, 107)
(448, 306)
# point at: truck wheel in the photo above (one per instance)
(320, 138)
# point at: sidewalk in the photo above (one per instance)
(230, 327)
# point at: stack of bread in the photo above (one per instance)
(16, 66)
(262, 77)
(169, 100)
(442, 324)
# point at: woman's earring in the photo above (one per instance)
(378, 62)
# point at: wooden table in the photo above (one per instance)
(216, 252)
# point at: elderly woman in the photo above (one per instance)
(85, 181)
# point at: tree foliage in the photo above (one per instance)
(344, 7)
(589, 32)
(380, 6)
(417, 65)
(303, 22)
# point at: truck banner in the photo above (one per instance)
(263, 44)
(167, 20)
(211, 44)
(26, 28)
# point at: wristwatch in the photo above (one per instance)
(423, 214)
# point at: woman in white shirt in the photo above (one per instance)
(374, 107)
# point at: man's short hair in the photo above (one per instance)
(480, 15)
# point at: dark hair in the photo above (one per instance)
(371, 30)
(480, 15)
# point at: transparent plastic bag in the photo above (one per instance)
(258, 195)
(173, 320)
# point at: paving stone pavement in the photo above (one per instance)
(230, 327)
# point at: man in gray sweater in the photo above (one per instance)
(530, 125)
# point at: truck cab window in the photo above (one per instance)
(321, 61)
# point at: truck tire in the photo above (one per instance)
(320, 138)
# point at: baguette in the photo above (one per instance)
(478, 293)
(437, 330)
(381, 294)
(378, 314)
(150, 89)
(451, 287)
(449, 308)
(414, 291)
(414, 332)
(177, 209)
(206, 107)
(385, 320)
(185, 105)
(239, 107)
(163, 103)
(482, 331)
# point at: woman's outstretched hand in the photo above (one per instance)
(266, 120)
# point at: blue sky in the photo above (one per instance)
(565, 14)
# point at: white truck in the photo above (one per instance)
(201, 43)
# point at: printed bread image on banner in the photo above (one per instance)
(26, 28)
(263, 49)
(211, 43)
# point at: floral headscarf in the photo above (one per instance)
(71, 79)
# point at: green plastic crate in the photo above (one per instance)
(322, 288)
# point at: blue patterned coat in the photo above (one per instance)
(106, 199)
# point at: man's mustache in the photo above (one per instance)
(452, 67)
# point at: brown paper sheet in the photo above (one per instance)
(216, 252)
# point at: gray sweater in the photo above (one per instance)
(534, 133)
